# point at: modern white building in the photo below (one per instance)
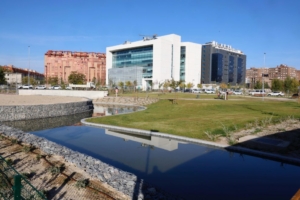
(154, 60)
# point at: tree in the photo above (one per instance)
(199, 85)
(52, 80)
(174, 84)
(2, 76)
(121, 85)
(189, 85)
(182, 86)
(32, 81)
(128, 84)
(290, 85)
(76, 78)
(258, 85)
(166, 84)
(223, 86)
(277, 85)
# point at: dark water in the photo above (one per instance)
(188, 170)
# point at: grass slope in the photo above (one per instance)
(191, 118)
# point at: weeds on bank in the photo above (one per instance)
(9, 161)
(211, 136)
(27, 149)
(83, 183)
(54, 170)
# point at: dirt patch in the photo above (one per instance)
(286, 132)
(37, 166)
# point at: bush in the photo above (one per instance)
(83, 183)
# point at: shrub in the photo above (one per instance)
(83, 183)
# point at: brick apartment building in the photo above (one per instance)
(279, 72)
(255, 74)
(61, 63)
(14, 75)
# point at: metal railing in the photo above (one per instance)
(15, 186)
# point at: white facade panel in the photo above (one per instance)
(192, 63)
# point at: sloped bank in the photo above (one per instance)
(123, 181)
(25, 112)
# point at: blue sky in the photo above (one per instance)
(253, 26)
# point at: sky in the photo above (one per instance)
(29, 28)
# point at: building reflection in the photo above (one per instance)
(147, 141)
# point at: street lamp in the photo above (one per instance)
(263, 78)
(28, 64)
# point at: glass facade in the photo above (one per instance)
(231, 69)
(117, 75)
(141, 57)
(217, 67)
(182, 63)
(240, 63)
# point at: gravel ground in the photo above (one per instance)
(9, 99)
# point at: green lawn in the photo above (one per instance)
(191, 118)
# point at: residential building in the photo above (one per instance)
(222, 64)
(282, 72)
(153, 60)
(15, 75)
(256, 74)
(60, 64)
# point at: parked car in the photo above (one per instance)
(40, 87)
(56, 87)
(68, 88)
(196, 91)
(237, 92)
(277, 94)
(27, 87)
(209, 91)
(255, 92)
(188, 90)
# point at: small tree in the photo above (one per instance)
(174, 84)
(128, 84)
(258, 85)
(121, 85)
(277, 85)
(199, 85)
(32, 81)
(223, 86)
(166, 84)
(2, 76)
(76, 78)
(182, 85)
(53, 80)
(189, 85)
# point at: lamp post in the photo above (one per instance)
(28, 64)
(263, 78)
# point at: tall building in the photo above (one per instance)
(61, 63)
(222, 64)
(153, 60)
(282, 72)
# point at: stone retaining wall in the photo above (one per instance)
(123, 181)
(126, 100)
(25, 112)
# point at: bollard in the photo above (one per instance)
(198, 96)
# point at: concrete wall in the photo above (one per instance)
(69, 93)
(25, 112)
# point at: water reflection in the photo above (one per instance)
(104, 110)
(151, 141)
